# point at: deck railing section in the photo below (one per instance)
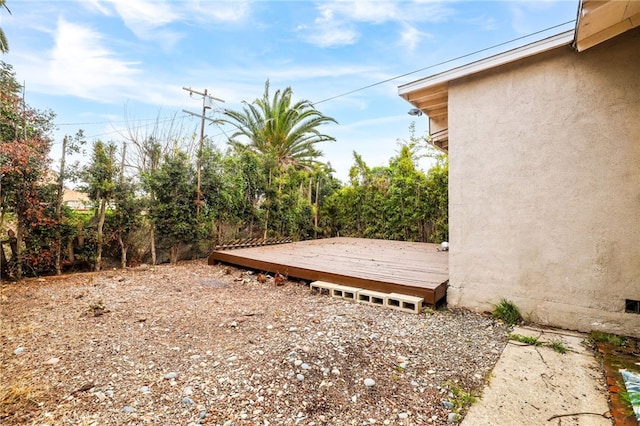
(251, 242)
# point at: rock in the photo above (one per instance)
(145, 390)
(297, 362)
(128, 409)
(234, 324)
(300, 377)
(447, 404)
(232, 358)
(171, 375)
(52, 361)
(452, 418)
(188, 390)
(18, 350)
(335, 372)
(202, 414)
(305, 366)
(269, 327)
(187, 401)
(402, 416)
(431, 371)
(368, 382)
(293, 329)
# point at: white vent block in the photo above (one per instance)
(405, 303)
(370, 297)
(322, 287)
(345, 292)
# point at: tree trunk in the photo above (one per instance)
(173, 254)
(103, 211)
(268, 201)
(152, 237)
(123, 252)
(123, 247)
(70, 254)
(19, 234)
(58, 260)
(317, 212)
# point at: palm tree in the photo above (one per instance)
(4, 45)
(284, 133)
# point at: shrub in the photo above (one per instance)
(507, 311)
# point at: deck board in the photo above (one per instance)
(416, 269)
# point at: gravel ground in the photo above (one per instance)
(199, 344)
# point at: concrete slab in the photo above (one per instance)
(531, 385)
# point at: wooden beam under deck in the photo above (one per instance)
(415, 269)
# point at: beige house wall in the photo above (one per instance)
(544, 187)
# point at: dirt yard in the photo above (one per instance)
(199, 344)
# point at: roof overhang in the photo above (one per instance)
(599, 21)
(431, 95)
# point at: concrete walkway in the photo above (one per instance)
(538, 386)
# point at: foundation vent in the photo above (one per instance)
(632, 306)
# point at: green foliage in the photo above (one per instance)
(284, 132)
(600, 336)
(398, 202)
(101, 172)
(25, 143)
(285, 135)
(508, 312)
(629, 399)
(558, 347)
(4, 44)
(529, 340)
(173, 211)
(461, 399)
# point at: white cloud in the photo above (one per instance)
(337, 22)
(231, 11)
(388, 11)
(81, 65)
(328, 36)
(411, 37)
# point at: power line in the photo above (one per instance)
(106, 122)
(442, 63)
(136, 127)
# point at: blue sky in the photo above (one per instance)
(97, 63)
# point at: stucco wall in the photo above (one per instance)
(545, 187)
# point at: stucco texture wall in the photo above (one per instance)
(544, 187)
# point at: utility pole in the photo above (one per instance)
(206, 104)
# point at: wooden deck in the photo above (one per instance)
(416, 269)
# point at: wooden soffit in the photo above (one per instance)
(599, 21)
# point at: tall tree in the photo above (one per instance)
(127, 210)
(70, 145)
(25, 143)
(150, 145)
(173, 211)
(100, 175)
(285, 132)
